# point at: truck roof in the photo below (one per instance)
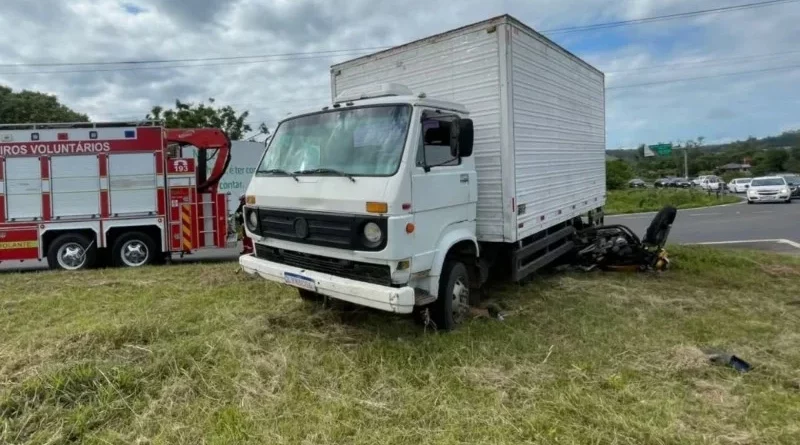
(65, 125)
(387, 100)
(498, 20)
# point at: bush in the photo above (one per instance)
(651, 200)
(730, 176)
(618, 173)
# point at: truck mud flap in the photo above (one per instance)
(538, 254)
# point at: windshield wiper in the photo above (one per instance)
(326, 170)
(278, 171)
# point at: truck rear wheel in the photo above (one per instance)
(71, 252)
(452, 305)
(133, 249)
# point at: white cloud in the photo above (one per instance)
(111, 30)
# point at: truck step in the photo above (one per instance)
(423, 298)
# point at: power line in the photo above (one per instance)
(335, 52)
(747, 58)
(145, 68)
(659, 18)
(196, 59)
(712, 76)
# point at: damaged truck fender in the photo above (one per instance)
(459, 240)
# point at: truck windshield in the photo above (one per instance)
(365, 141)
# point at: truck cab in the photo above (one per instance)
(372, 201)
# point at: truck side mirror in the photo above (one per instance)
(455, 130)
(465, 137)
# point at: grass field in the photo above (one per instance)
(197, 354)
(651, 200)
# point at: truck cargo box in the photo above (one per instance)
(539, 114)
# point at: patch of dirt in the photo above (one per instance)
(778, 270)
(714, 393)
(684, 358)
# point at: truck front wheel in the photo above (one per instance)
(71, 252)
(133, 249)
(452, 305)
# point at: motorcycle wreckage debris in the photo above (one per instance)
(618, 248)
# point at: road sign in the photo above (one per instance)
(661, 149)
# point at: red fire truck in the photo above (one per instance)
(124, 194)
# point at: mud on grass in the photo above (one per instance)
(197, 354)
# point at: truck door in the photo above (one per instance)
(440, 190)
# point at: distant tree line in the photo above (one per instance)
(25, 107)
(774, 154)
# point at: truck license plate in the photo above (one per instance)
(299, 281)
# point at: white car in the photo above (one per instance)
(769, 189)
(696, 181)
(710, 183)
(739, 185)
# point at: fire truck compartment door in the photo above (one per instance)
(132, 183)
(23, 188)
(76, 185)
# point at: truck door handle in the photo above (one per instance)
(464, 178)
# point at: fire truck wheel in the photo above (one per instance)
(133, 249)
(71, 252)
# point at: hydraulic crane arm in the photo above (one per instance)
(204, 139)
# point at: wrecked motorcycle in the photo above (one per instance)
(617, 247)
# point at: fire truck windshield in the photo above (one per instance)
(356, 141)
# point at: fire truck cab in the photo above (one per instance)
(124, 194)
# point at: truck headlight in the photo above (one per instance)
(373, 234)
(252, 220)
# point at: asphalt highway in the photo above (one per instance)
(773, 227)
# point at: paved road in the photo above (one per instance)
(736, 225)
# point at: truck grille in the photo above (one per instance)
(366, 272)
(320, 229)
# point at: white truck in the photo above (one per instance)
(475, 151)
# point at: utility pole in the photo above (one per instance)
(686, 162)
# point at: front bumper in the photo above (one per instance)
(391, 299)
(767, 198)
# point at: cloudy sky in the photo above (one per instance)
(723, 76)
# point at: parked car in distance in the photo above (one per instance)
(769, 189)
(636, 184)
(793, 181)
(663, 182)
(739, 185)
(680, 183)
(696, 181)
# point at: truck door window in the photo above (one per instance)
(435, 145)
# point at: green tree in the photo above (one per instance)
(775, 159)
(34, 107)
(187, 115)
(618, 173)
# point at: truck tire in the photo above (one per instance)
(133, 249)
(452, 305)
(71, 251)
